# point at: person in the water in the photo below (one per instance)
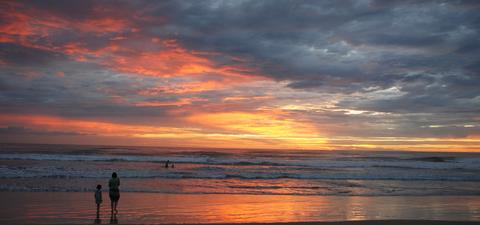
(167, 163)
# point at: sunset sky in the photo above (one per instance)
(394, 75)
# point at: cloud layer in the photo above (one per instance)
(269, 74)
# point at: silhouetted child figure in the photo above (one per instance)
(98, 199)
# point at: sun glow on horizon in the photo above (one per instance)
(234, 130)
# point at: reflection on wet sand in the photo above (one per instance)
(97, 218)
(142, 208)
(113, 218)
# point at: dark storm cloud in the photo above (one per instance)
(346, 46)
(77, 10)
(310, 42)
(17, 55)
(85, 91)
(301, 40)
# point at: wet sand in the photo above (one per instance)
(157, 208)
(368, 222)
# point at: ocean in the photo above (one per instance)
(76, 168)
(54, 184)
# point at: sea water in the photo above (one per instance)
(55, 184)
(72, 168)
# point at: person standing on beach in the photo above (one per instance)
(98, 201)
(114, 192)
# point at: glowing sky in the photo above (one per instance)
(395, 75)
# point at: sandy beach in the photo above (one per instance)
(367, 222)
(157, 208)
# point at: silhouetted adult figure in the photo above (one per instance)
(114, 192)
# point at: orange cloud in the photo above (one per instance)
(51, 123)
(190, 87)
(469, 144)
(272, 125)
(166, 63)
(22, 21)
(180, 102)
(103, 25)
(166, 58)
(189, 136)
(60, 74)
(245, 98)
(172, 61)
(232, 130)
(274, 128)
(17, 24)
